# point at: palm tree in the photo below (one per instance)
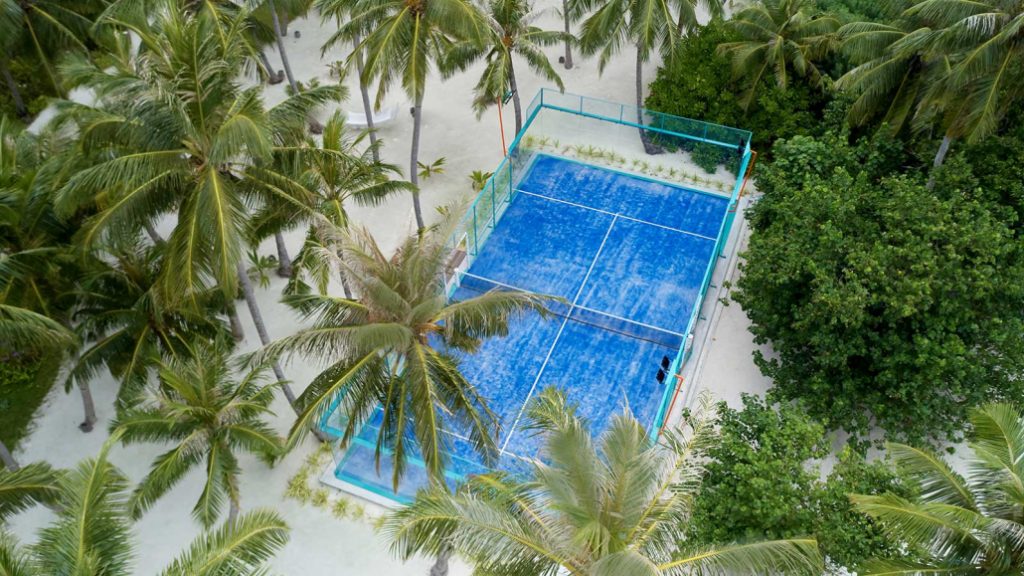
(947, 62)
(38, 264)
(645, 24)
(393, 347)
(687, 20)
(511, 32)
(567, 20)
(892, 72)
(122, 312)
(181, 134)
(341, 171)
(36, 261)
(402, 40)
(43, 28)
(617, 504)
(958, 524)
(91, 533)
(340, 12)
(986, 40)
(257, 32)
(777, 37)
(210, 417)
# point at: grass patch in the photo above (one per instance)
(21, 394)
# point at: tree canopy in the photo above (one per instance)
(886, 304)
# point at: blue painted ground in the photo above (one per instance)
(575, 231)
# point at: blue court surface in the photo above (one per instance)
(628, 254)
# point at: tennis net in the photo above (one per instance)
(474, 284)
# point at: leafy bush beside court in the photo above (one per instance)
(763, 481)
(887, 303)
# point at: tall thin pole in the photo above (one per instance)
(501, 127)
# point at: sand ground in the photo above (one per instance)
(321, 544)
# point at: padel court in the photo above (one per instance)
(630, 256)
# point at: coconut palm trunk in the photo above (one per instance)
(261, 330)
(417, 113)
(153, 234)
(516, 103)
(440, 567)
(233, 509)
(649, 146)
(88, 405)
(7, 458)
(12, 86)
(568, 35)
(940, 157)
(314, 126)
(364, 92)
(284, 261)
(237, 332)
(280, 47)
(272, 77)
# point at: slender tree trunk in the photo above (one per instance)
(649, 146)
(314, 126)
(272, 75)
(516, 103)
(284, 261)
(414, 176)
(364, 92)
(233, 510)
(19, 103)
(345, 285)
(940, 157)
(280, 47)
(153, 234)
(568, 33)
(440, 567)
(7, 458)
(89, 406)
(237, 332)
(261, 330)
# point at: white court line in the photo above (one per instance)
(623, 216)
(551, 350)
(575, 307)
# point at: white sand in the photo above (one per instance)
(321, 544)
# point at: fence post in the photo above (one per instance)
(476, 233)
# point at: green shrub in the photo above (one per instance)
(698, 84)
(887, 304)
(763, 481)
(22, 391)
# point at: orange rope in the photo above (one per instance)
(501, 126)
(750, 170)
(679, 387)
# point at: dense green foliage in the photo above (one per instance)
(887, 304)
(21, 394)
(763, 480)
(857, 10)
(697, 83)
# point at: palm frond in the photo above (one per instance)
(240, 547)
(32, 484)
